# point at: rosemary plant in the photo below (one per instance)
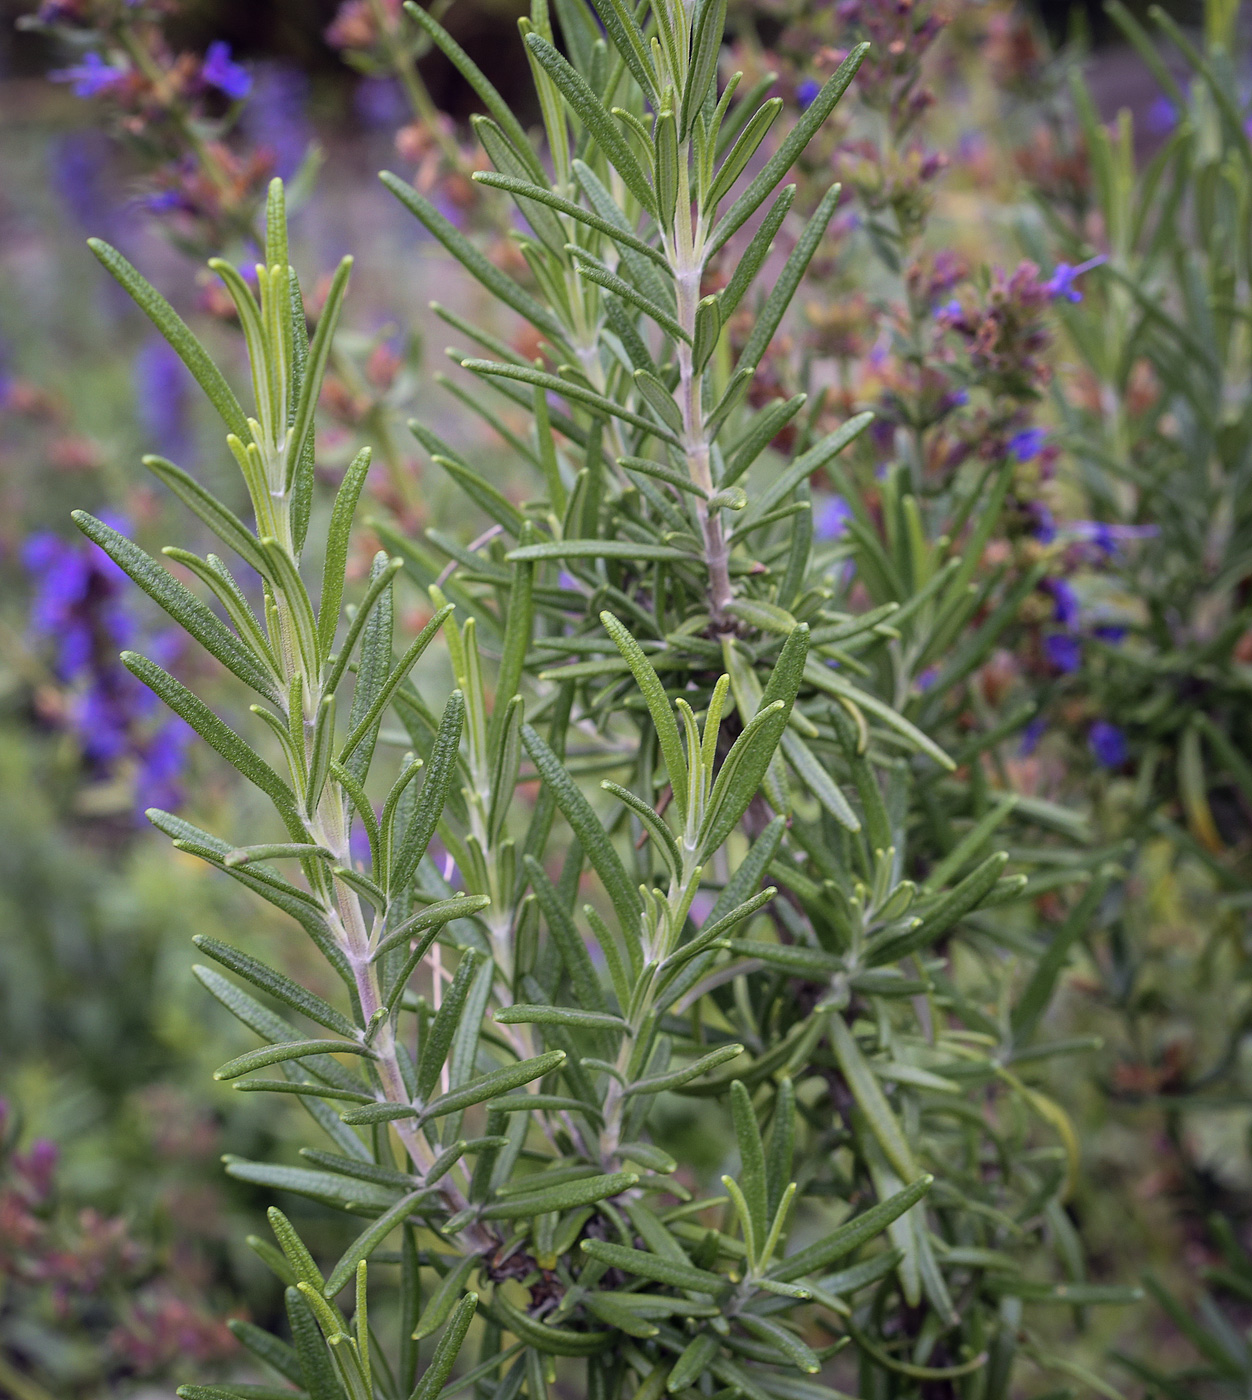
(504, 1069)
(1163, 437)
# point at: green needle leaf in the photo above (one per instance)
(785, 157)
(586, 826)
(182, 605)
(181, 339)
(290, 1050)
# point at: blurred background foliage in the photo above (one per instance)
(109, 1157)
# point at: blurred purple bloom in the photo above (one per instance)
(1109, 634)
(91, 77)
(103, 724)
(950, 308)
(380, 103)
(1031, 735)
(162, 394)
(1064, 651)
(277, 117)
(927, 678)
(1044, 527)
(1162, 116)
(806, 91)
(1027, 444)
(1107, 743)
(359, 845)
(79, 606)
(1106, 537)
(1061, 283)
(158, 782)
(79, 173)
(830, 517)
(1065, 607)
(219, 70)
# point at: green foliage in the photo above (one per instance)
(504, 1063)
(1165, 339)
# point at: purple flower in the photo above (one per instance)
(1031, 735)
(1061, 283)
(380, 102)
(79, 173)
(1065, 607)
(830, 517)
(1027, 444)
(927, 678)
(91, 77)
(359, 845)
(1109, 634)
(158, 782)
(1044, 526)
(1162, 115)
(1106, 537)
(162, 386)
(276, 117)
(80, 608)
(219, 70)
(102, 722)
(1064, 651)
(1107, 744)
(951, 308)
(806, 91)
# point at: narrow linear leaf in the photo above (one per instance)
(586, 826)
(276, 984)
(782, 160)
(645, 1265)
(217, 734)
(181, 604)
(290, 1050)
(181, 339)
(567, 1196)
(497, 283)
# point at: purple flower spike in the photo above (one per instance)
(1027, 444)
(219, 70)
(1107, 744)
(91, 77)
(807, 91)
(1064, 651)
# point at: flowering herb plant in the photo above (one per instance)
(498, 1077)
